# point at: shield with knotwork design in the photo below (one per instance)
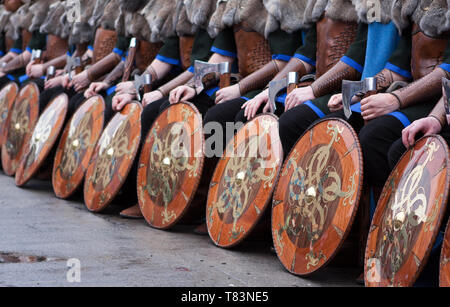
(112, 158)
(171, 165)
(444, 274)
(408, 215)
(24, 117)
(317, 196)
(77, 145)
(43, 138)
(8, 95)
(244, 181)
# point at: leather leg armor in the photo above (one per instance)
(146, 53)
(186, 46)
(105, 41)
(56, 47)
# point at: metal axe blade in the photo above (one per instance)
(446, 94)
(352, 88)
(71, 64)
(201, 69)
(140, 81)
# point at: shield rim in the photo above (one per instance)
(3, 133)
(19, 158)
(66, 130)
(351, 221)
(113, 195)
(198, 179)
(20, 179)
(440, 216)
(447, 234)
(265, 207)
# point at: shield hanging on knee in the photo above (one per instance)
(24, 117)
(408, 215)
(171, 165)
(112, 158)
(43, 138)
(244, 180)
(444, 273)
(76, 146)
(317, 196)
(8, 95)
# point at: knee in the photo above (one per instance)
(240, 117)
(395, 153)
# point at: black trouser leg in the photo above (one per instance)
(293, 124)
(376, 139)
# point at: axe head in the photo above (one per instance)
(51, 71)
(352, 88)
(36, 54)
(71, 64)
(140, 82)
(203, 68)
(133, 42)
(446, 94)
(275, 87)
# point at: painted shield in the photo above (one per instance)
(408, 215)
(24, 117)
(317, 196)
(244, 181)
(77, 145)
(8, 95)
(112, 158)
(444, 274)
(171, 165)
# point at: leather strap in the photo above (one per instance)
(115, 74)
(332, 80)
(103, 66)
(294, 65)
(259, 78)
(178, 81)
(439, 113)
(424, 89)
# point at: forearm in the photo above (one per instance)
(294, 65)
(439, 113)
(115, 74)
(386, 78)
(19, 62)
(104, 66)
(182, 79)
(331, 81)
(261, 77)
(9, 57)
(158, 70)
(422, 90)
(58, 62)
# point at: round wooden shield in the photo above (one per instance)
(317, 196)
(243, 181)
(24, 117)
(444, 274)
(171, 165)
(43, 138)
(408, 215)
(8, 95)
(77, 145)
(112, 158)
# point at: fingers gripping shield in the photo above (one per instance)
(408, 215)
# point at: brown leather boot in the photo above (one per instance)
(201, 230)
(132, 213)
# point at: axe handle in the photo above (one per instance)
(78, 70)
(225, 80)
(147, 88)
(129, 63)
(291, 87)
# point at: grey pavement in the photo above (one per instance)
(118, 252)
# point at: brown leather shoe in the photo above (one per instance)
(201, 230)
(132, 213)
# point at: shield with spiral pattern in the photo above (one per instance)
(8, 95)
(23, 118)
(171, 165)
(76, 146)
(317, 196)
(444, 274)
(44, 136)
(112, 158)
(244, 180)
(408, 215)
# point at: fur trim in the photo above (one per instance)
(40, 11)
(289, 13)
(83, 32)
(434, 20)
(159, 15)
(52, 24)
(216, 24)
(132, 5)
(19, 20)
(364, 9)
(110, 15)
(4, 17)
(402, 11)
(314, 11)
(182, 24)
(199, 11)
(253, 13)
(342, 10)
(97, 9)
